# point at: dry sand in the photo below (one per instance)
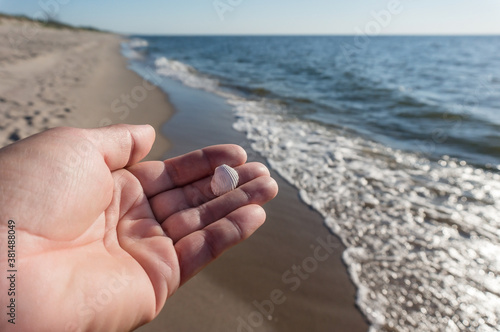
(52, 77)
(58, 77)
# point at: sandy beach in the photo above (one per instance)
(59, 77)
(289, 276)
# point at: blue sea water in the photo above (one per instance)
(395, 141)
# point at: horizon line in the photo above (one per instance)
(310, 35)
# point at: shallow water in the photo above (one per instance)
(396, 145)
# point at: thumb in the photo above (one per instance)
(122, 145)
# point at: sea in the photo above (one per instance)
(394, 140)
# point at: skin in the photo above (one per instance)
(102, 239)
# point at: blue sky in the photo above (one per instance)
(377, 17)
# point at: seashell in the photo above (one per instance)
(224, 180)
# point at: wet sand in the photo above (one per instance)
(293, 254)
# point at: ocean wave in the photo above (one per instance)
(133, 48)
(248, 91)
(185, 74)
(137, 42)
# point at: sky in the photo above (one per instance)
(297, 17)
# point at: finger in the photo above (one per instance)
(197, 193)
(258, 191)
(201, 247)
(122, 145)
(157, 176)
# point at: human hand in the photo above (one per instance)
(102, 240)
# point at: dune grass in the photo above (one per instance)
(49, 23)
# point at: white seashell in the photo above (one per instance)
(224, 180)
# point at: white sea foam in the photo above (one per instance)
(185, 73)
(423, 238)
(130, 48)
(137, 42)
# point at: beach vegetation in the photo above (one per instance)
(48, 22)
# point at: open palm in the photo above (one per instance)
(103, 239)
